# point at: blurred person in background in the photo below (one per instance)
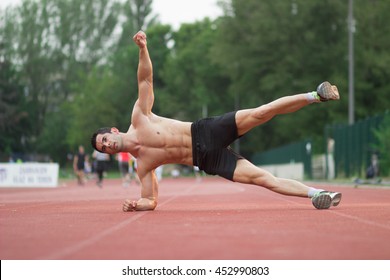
(123, 159)
(79, 163)
(101, 166)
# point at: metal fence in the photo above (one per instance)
(291, 153)
(353, 148)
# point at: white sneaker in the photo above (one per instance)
(327, 92)
(325, 199)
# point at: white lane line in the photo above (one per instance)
(360, 220)
(352, 217)
(94, 239)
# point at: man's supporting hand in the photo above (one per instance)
(143, 204)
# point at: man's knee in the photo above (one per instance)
(263, 113)
(265, 179)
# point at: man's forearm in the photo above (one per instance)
(145, 69)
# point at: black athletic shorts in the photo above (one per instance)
(211, 138)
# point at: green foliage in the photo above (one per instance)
(193, 82)
(94, 107)
(55, 40)
(372, 57)
(14, 112)
(274, 48)
(70, 67)
(52, 140)
(382, 135)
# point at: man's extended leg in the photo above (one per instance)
(250, 118)
(248, 173)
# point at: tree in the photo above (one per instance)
(382, 135)
(372, 58)
(53, 41)
(52, 140)
(274, 48)
(14, 113)
(93, 107)
(137, 16)
(195, 86)
(80, 52)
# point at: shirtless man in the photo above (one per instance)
(156, 140)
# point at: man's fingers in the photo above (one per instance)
(139, 35)
(129, 205)
(126, 205)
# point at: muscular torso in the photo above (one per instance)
(161, 141)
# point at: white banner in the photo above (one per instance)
(29, 174)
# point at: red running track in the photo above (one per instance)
(213, 219)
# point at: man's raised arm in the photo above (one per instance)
(144, 74)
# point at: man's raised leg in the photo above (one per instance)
(250, 118)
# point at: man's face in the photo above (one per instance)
(109, 143)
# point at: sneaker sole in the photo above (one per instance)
(327, 93)
(322, 201)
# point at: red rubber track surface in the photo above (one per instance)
(212, 219)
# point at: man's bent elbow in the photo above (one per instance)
(146, 204)
(153, 205)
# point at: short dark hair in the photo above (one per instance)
(99, 131)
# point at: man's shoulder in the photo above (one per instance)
(138, 115)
